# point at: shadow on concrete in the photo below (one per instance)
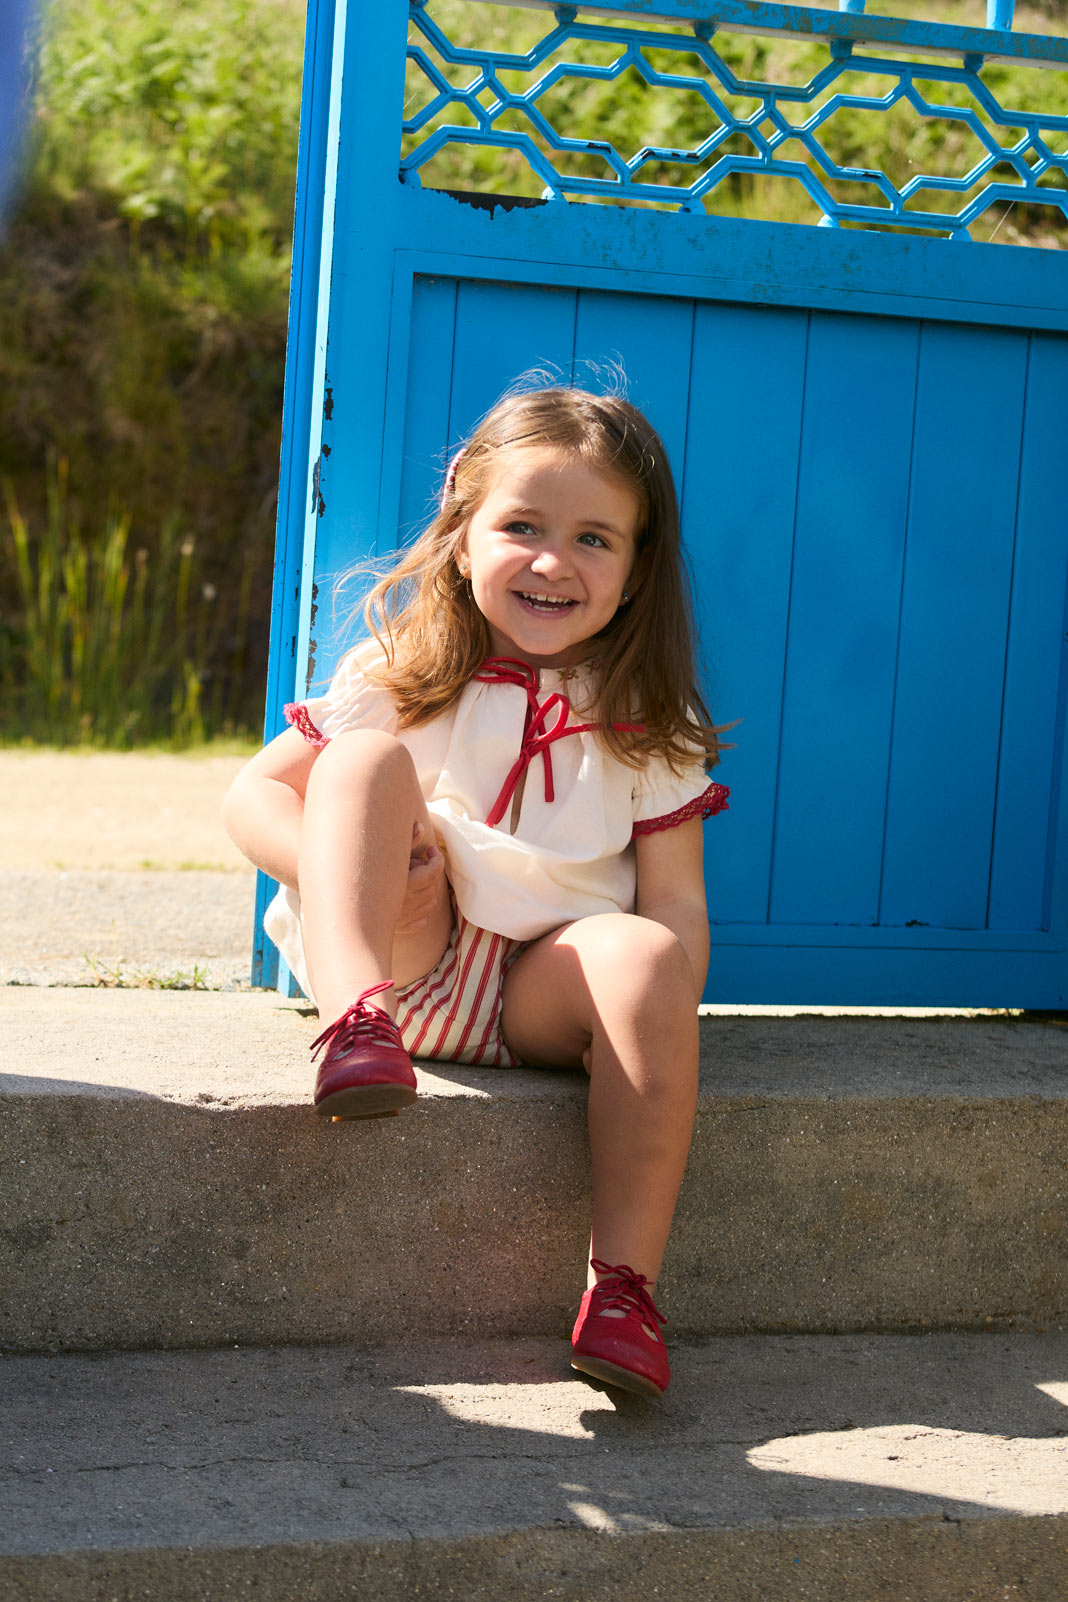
(484, 1438)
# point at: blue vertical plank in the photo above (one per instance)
(848, 552)
(314, 468)
(651, 337)
(1024, 836)
(505, 333)
(947, 716)
(426, 417)
(740, 478)
(416, 407)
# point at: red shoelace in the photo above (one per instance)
(359, 1023)
(625, 1289)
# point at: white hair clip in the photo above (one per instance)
(450, 476)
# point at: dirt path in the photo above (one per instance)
(129, 811)
(115, 869)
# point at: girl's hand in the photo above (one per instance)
(426, 868)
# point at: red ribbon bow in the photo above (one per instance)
(538, 734)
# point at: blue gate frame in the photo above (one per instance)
(866, 422)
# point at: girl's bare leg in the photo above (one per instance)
(361, 806)
(624, 1006)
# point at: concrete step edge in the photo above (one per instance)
(169, 1186)
(482, 1469)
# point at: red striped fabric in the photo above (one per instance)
(453, 1013)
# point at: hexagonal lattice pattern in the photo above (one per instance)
(513, 104)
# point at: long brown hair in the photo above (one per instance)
(434, 637)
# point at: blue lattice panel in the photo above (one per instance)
(540, 120)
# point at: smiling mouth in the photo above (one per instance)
(544, 603)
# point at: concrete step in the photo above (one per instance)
(167, 1185)
(833, 1469)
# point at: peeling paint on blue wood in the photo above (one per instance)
(298, 404)
(763, 263)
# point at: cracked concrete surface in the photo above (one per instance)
(456, 1446)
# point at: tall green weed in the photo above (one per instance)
(109, 644)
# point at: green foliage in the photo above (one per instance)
(116, 976)
(184, 114)
(143, 295)
(108, 645)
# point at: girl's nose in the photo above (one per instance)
(551, 561)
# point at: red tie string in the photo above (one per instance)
(538, 735)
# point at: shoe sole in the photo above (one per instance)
(366, 1101)
(612, 1374)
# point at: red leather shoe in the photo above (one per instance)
(365, 1071)
(620, 1349)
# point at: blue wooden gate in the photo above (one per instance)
(867, 421)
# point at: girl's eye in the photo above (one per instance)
(595, 538)
(519, 528)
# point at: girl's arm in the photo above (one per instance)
(671, 889)
(264, 807)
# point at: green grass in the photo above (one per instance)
(111, 645)
(117, 976)
(223, 745)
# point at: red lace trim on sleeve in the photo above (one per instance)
(296, 714)
(707, 805)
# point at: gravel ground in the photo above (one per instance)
(114, 869)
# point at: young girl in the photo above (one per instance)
(493, 819)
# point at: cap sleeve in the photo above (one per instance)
(663, 799)
(353, 701)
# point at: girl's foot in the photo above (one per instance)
(616, 1336)
(365, 1071)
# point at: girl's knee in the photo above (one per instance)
(636, 954)
(364, 752)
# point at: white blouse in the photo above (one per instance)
(569, 853)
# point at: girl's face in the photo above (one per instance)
(549, 553)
